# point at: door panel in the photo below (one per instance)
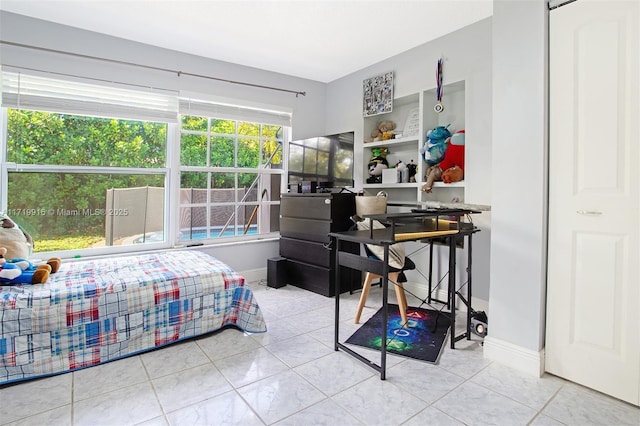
(593, 297)
(595, 292)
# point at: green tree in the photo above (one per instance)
(43, 138)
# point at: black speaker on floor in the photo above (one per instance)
(277, 272)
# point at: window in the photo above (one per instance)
(230, 178)
(90, 167)
(78, 182)
(322, 159)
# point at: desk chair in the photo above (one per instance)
(396, 277)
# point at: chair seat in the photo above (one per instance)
(396, 277)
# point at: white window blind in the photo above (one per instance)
(234, 112)
(20, 90)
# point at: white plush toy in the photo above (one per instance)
(18, 242)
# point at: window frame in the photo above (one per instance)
(210, 170)
(7, 167)
(171, 171)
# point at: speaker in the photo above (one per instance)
(294, 188)
(277, 272)
(479, 324)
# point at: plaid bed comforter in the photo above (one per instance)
(96, 311)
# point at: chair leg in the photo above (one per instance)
(405, 305)
(402, 298)
(368, 279)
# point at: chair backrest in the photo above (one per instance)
(396, 251)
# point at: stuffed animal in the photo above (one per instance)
(377, 163)
(449, 170)
(436, 144)
(22, 271)
(18, 242)
(457, 138)
(384, 131)
(453, 174)
(413, 169)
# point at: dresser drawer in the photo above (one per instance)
(321, 280)
(306, 207)
(306, 251)
(306, 229)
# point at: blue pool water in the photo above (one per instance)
(197, 234)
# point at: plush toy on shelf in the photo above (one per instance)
(377, 163)
(449, 170)
(384, 131)
(22, 271)
(435, 146)
(457, 138)
(413, 170)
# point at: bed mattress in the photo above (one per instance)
(95, 311)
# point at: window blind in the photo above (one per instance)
(200, 108)
(20, 90)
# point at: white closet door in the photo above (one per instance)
(593, 297)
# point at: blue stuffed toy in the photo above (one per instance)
(436, 144)
(22, 271)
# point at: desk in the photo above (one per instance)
(426, 225)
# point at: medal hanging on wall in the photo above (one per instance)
(439, 107)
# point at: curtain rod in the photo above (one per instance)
(554, 4)
(177, 72)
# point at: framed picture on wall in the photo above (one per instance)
(377, 95)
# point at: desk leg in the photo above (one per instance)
(469, 310)
(452, 288)
(336, 280)
(385, 314)
(430, 271)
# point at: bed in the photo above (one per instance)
(95, 311)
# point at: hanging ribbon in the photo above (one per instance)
(439, 89)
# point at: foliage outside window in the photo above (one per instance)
(81, 182)
(230, 178)
(91, 167)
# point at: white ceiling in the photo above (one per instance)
(320, 40)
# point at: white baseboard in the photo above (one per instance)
(514, 356)
(254, 275)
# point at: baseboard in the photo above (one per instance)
(514, 356)
(254, 275)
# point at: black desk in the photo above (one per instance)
(427, 226)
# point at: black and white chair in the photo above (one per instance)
(398, 263)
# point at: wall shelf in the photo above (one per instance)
(407, 148)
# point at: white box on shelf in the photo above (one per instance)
(389, 176)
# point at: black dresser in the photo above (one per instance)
(305, 223)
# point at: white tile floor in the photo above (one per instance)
(292, 376)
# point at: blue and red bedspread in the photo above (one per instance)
(95, 311)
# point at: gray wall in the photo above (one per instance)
(309, 110)
(467, 56)
(519, 184)
(326, 109)
(503, 61)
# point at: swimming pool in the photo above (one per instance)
(197, 234)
